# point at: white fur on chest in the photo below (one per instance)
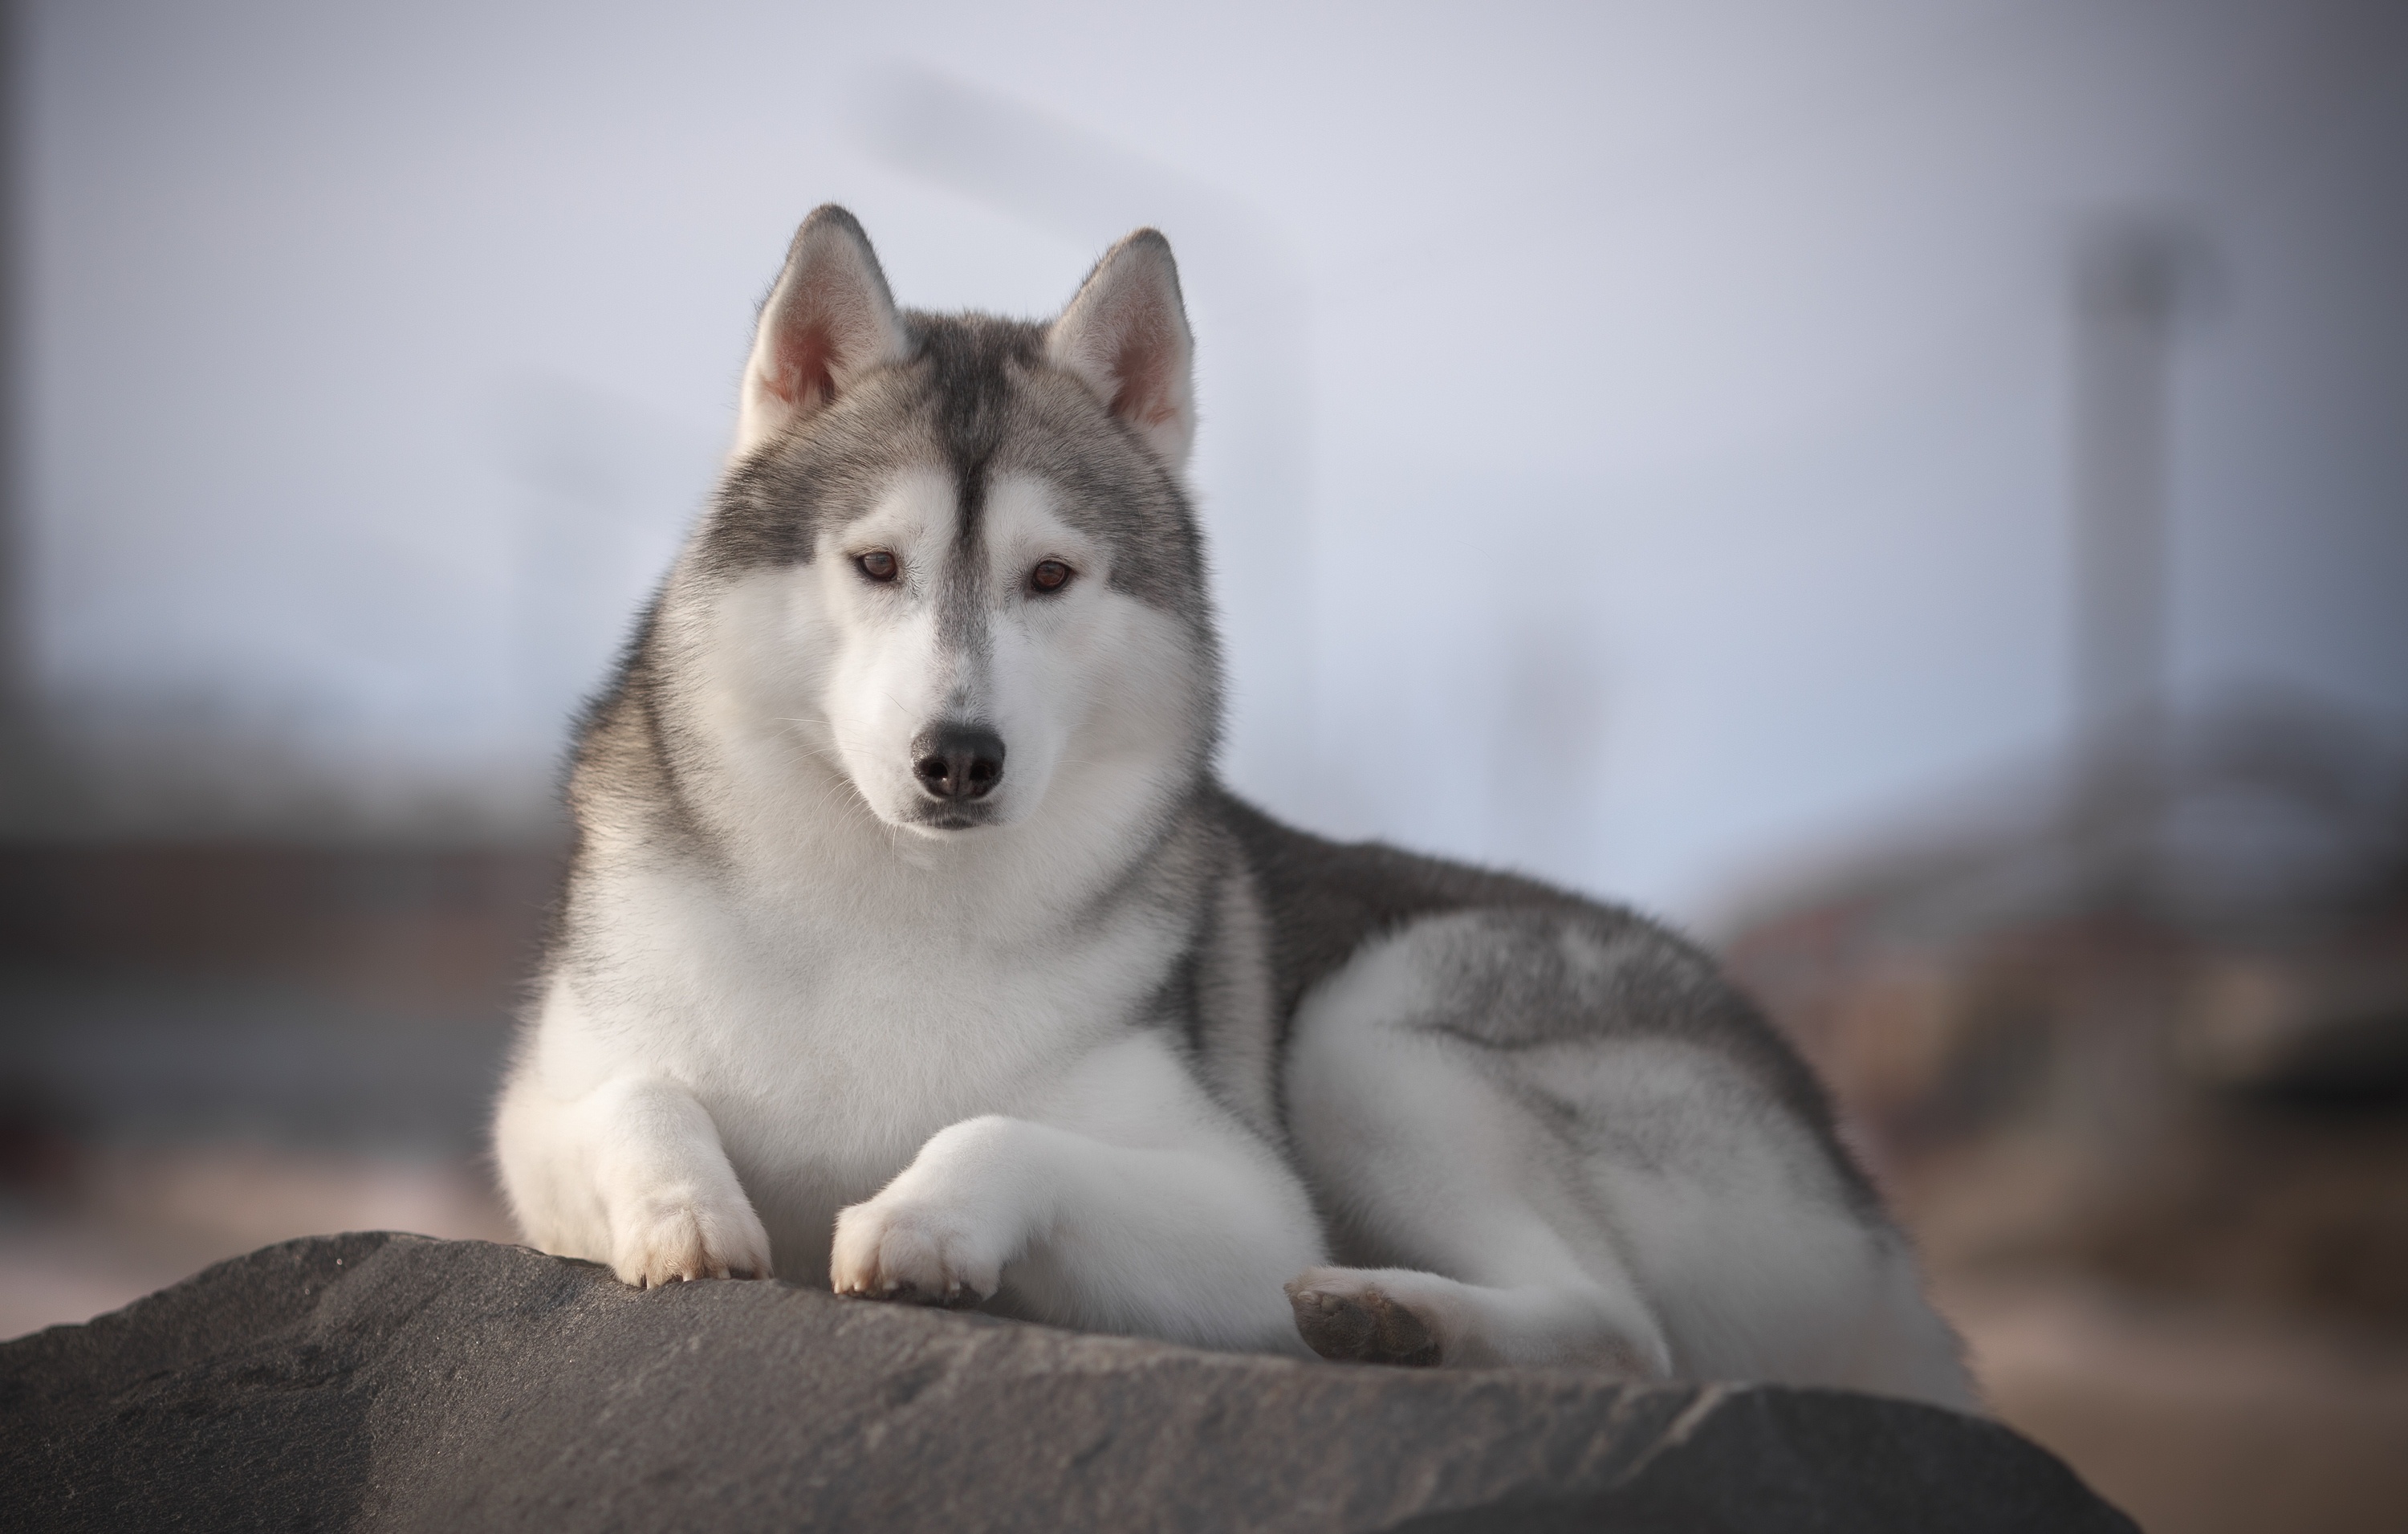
(828, 1040)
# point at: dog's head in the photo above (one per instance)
(952, 560)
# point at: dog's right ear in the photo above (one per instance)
(828, 321)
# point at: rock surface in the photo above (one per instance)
(395, 1382)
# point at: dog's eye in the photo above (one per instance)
(878, 565)
(1050, 575)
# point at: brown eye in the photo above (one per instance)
(878, 565)
(1050, 575)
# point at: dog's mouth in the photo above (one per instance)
(952, 817)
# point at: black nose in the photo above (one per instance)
(958, 761)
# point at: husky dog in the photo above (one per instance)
(909, 939)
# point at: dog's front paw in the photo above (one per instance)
(917, 1252)
(669, 1241)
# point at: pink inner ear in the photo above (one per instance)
(1140, 371)
(806, 373)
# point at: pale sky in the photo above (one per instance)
(1634, 437)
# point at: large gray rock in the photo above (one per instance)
(394, 1381)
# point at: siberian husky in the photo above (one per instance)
(910, 939)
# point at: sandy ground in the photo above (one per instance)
(136, 1220)
(2198, 1419)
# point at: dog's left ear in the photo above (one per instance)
(1126, 335)
(828, 321)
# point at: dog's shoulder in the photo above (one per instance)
(618, 759)
(628, 804)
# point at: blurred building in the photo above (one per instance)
(2134, 1065)
(213, 1044)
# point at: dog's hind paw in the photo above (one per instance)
(1342, 1316)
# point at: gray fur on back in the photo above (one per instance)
(1324, 901)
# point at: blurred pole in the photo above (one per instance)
(19, 756)
(2127, 282)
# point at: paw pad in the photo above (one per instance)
(1361, 1326)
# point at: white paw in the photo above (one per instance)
(669, 1241)
(919, 1253)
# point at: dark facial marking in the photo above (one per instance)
(961, 605)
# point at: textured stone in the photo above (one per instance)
(398, 1383)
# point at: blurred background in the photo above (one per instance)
(1916, 492)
